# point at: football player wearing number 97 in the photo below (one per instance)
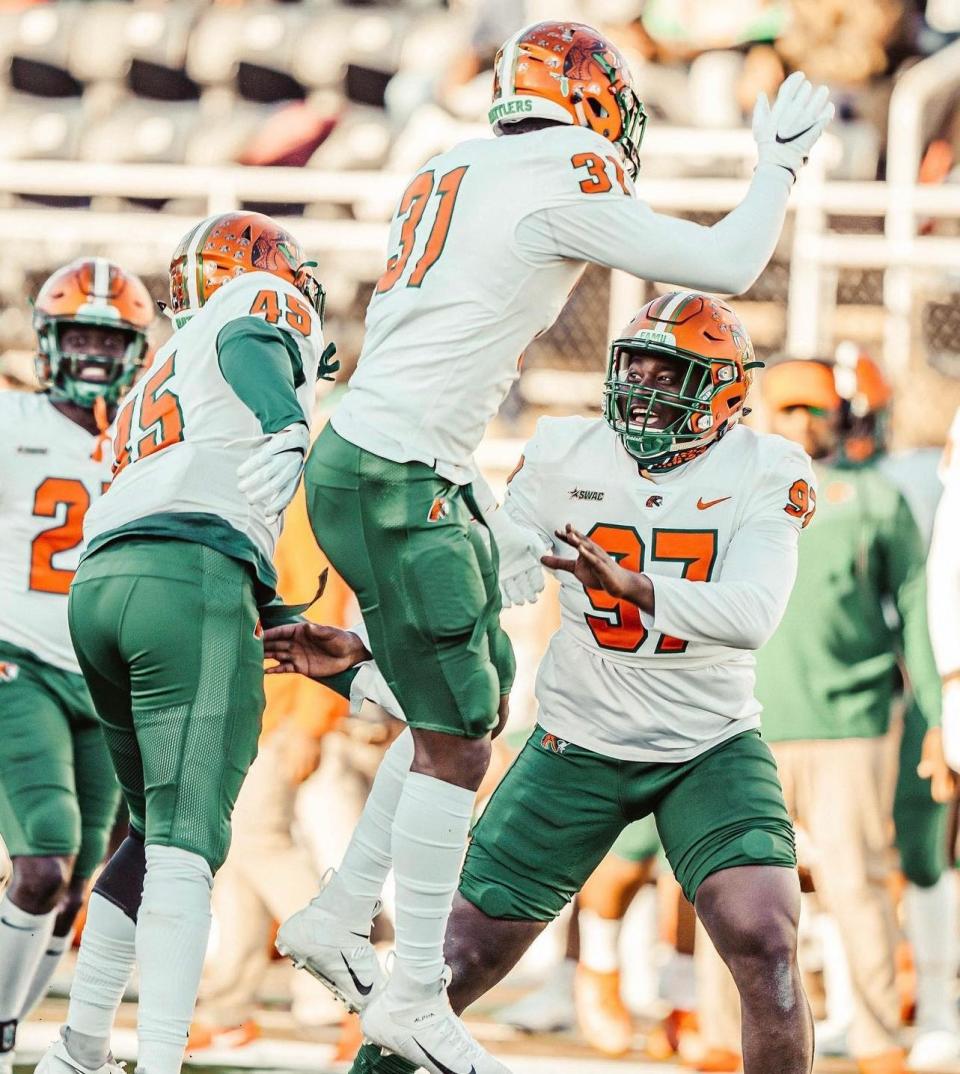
(686, 525)
(487, 242)
(58, 793)
(164, 614)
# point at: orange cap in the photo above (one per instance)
(800, 382)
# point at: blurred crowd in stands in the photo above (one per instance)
(331, 84)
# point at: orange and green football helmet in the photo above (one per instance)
(867, 398)
(704, 334)
(228, 245)
(569, 73)
(90, 291)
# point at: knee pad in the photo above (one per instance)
(121, 881)
(52, 826)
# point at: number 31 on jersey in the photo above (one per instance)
(413, 205)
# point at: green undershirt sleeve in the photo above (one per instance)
(341, 682)
(261, 363)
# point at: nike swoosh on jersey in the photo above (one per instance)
(437, 1063)
(794, 137)
(363, 989)
(702, 504)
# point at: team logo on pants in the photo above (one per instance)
(438, 509)
(553, 744)
(8, 672)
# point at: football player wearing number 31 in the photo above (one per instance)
(164, 614)
(686, 526)
(58, 793)
(487, 242)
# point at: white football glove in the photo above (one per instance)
(520, 549)
(269, 477)
(950, 721)
(786, 133)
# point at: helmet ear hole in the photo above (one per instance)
(598, 110)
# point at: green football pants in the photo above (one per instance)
(58, 793)
(167, 634)
(407, 543)
(560, 809)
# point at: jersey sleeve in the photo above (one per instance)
(595, 218)
(905, 578)
(266, 323)
(524, 487)
(743, 605)
(943, 575)
(262, 365)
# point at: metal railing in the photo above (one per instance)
(143, 238)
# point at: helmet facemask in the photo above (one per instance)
(633, 117)
(311, 288)
(59, 371)
(689, 426)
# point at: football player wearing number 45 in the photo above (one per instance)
(487, 243)
(58, 793)
(164, 614)
(687, 551)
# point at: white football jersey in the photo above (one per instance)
(48, 479)
(182, 432)
(943, 563)
(487, 243)
(718, 537)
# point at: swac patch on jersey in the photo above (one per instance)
(8, 672)
(654, 501)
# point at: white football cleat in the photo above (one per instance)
(549, 1009)
(934, 1049)
(428, 1034)
(318, 941)
(57, 1060)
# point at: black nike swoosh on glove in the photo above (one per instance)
(363, 989)
(437, 1063)
(794, 137)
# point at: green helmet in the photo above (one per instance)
(707, 336)
(90, 291)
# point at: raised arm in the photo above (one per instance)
(617, 231)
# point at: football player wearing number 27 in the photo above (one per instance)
(164, 614)
(58, 793)
(487, 243)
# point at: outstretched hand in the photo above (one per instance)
(312, 650)
(597, 569)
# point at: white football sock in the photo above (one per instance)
(355, 889)
(429, 838)
(172, 932)
(46, 968)
(678, 981)
(931, 921)
(599, 942)
(23, 939)
(104, 965)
